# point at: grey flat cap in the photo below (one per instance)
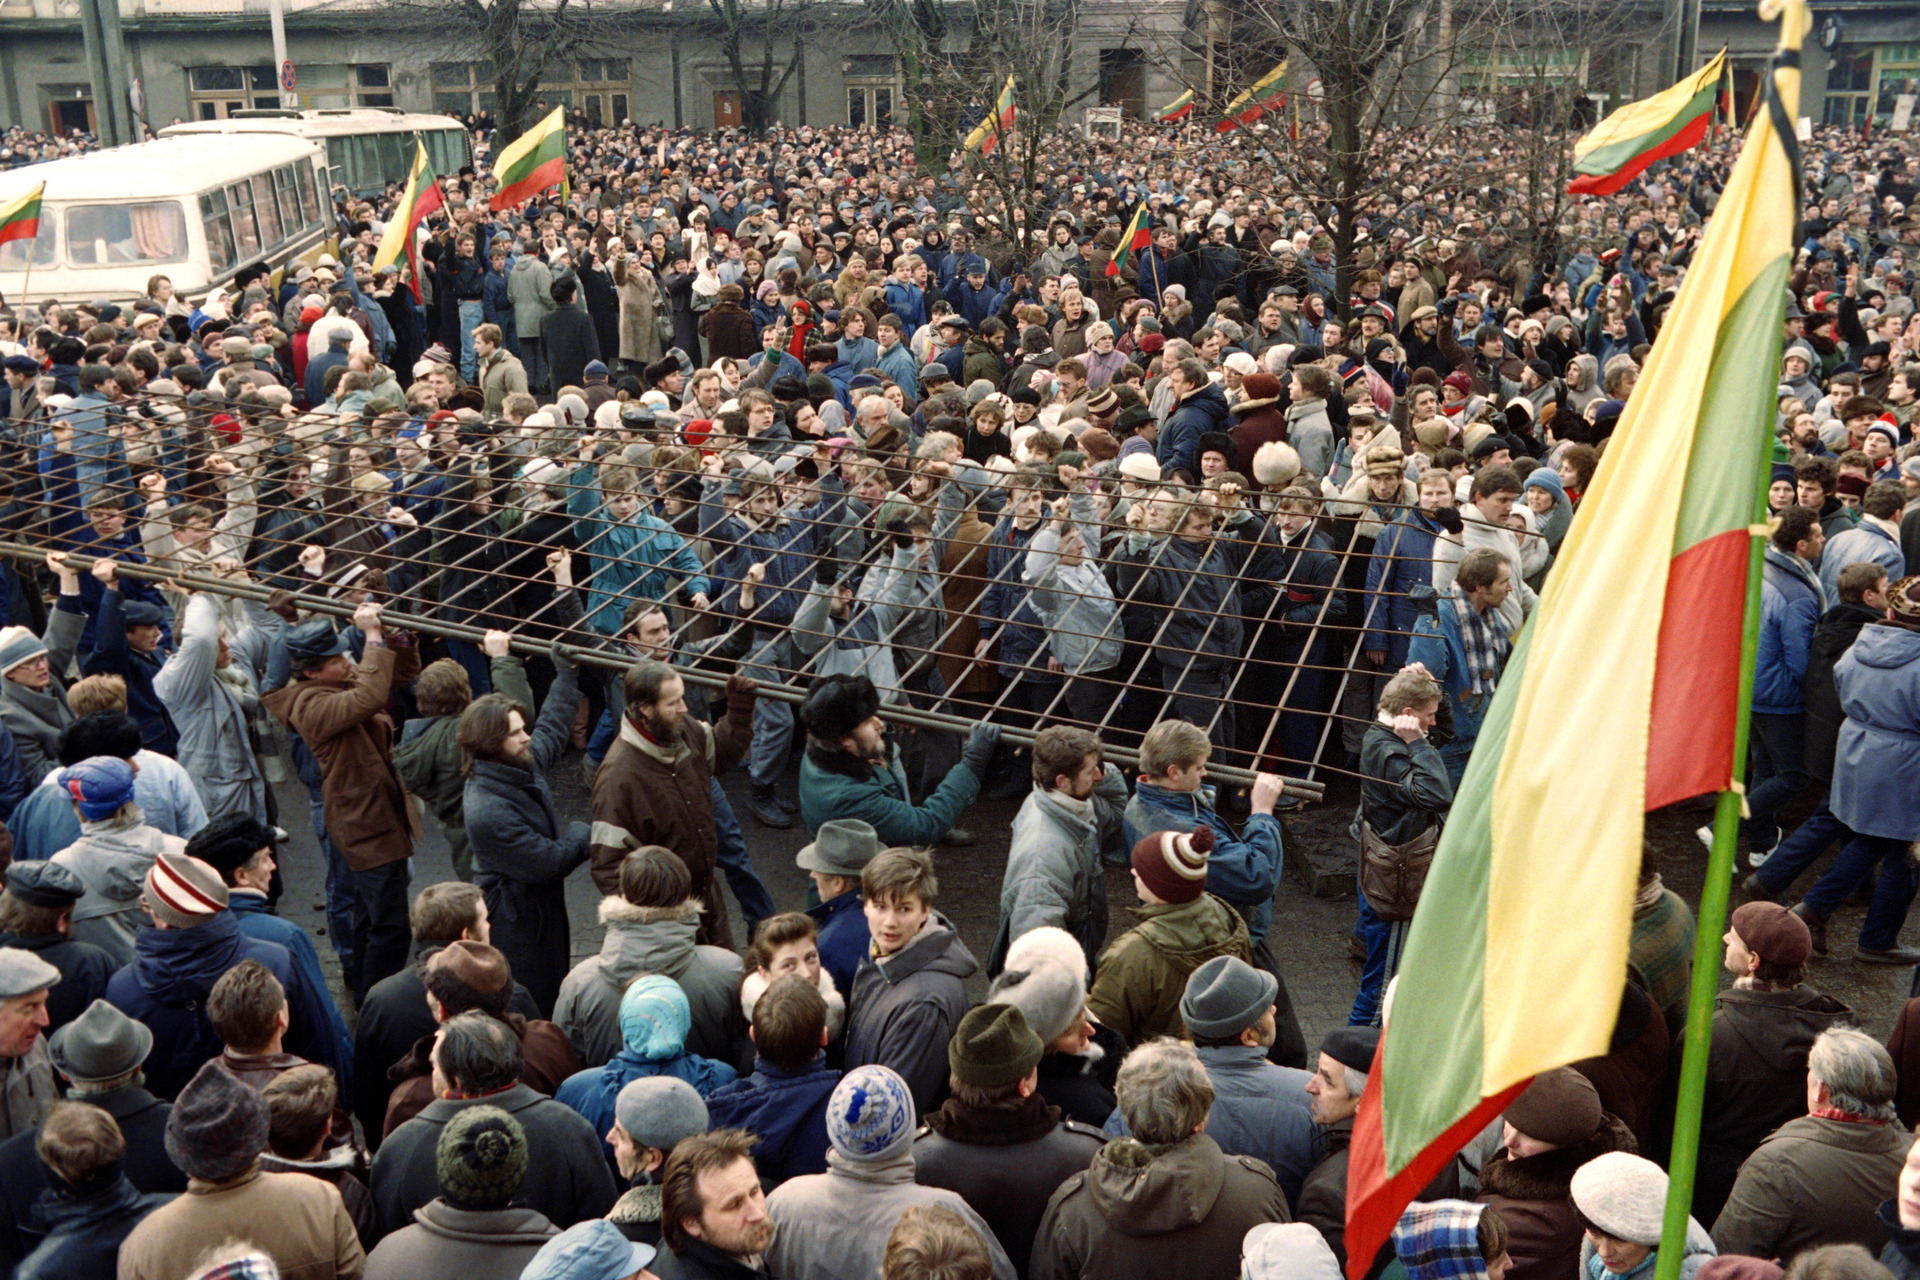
(22, 973)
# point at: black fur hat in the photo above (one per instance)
(837, 705)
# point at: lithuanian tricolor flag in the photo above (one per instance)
(1269, 90)
(421, 197)
(20, 218)
(1179, 109)
(1136, 239)
(1541, 851)
(1626, 142)
(531, 163)
(987, 134)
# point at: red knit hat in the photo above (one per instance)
(1173, 864)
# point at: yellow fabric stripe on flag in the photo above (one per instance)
(1638, 119)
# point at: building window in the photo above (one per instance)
(1849, 89)
(872, 87)
(1899, 76)
(217, 92)
(462, 88)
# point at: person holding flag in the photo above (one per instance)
(421, 198)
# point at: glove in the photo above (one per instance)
(562, 656)
(740, 688)
(979, 749)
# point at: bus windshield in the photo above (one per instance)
(101, 235)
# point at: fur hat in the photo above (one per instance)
(1275, 463)
(1221, 443)
(1385, 460)
(1173, 864)
(1046, 979)
(837, 705)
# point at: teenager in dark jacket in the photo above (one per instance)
(784, 1102)
(89, 1206)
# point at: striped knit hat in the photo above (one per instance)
(1173, 864)
(183, 892)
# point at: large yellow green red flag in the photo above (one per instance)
(531, 163)
(421, 197)
(1134, 241)
(20, 218)
(1542, 847)
(1621, 147)
(1179, 109)
(987, 134)
(1253, 102)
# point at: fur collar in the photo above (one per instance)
(755, 984)
(832, 760)
(1029, 1121)
(617, 910)
(639, 1204)
(1549, 1176)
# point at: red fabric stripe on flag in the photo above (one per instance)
(1696, 677)
(1605, 184)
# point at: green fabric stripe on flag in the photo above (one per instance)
(1609, 158)
(1441, 994)
(552, 147)
(1723, 470)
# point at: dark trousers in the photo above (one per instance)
(380, 925)
(1892, 892)
(1779, 774)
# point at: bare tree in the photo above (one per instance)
(755, 71)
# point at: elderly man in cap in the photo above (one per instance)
(36, 915)
(1550, 1130)
(27, 1089)
(995, 1142)
(592, 1250)
(216, 1132)
(836, 856)
(100, 1054)
(113, 854)
(33, 687)
(194, 941)
(1259, 1109)
(851, 770)
(339, 711)
(1763, 1029)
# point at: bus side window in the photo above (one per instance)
(246, 232)
(213, 214)
(267, 210)
(311, 206)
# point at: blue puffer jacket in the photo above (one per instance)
(785, 1110)
(1402, 560)
(1879, 749)
(1791, 602)
(629, 560)
(908, 303)
(1179, 446)
(166, 987)
(1005, 612)
(1245, 872)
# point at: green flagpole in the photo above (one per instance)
(1726, 817)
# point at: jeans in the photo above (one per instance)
(1892, 894)
(756, 904)
(1798, 851)
(340, 924)
(1778, 774)
(380, 921)
(1386, 942)
(1454, 755)
(772, 719)
(472, 316)
(477, 665)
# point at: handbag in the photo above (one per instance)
(663, 329)
(1392, 875)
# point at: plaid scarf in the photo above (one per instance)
(1486, 644)
(1440, 1240)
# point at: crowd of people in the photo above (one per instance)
(765, 448)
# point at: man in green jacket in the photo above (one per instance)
(851, 770)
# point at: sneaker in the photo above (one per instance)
(958, 838)
(1757, 855)
(1757, 890)
(1705, 836)
(1817, 926)
(280, 835)
(767, 812)
(1886, 955)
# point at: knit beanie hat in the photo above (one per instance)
(99, 785)
(1046, 979)
(655, 1018)
(218, 1126)
(183, 892)
(481, 1158)
(18, 645)
(1173, 864)
(870, 1115)
(993, 1046)
(1624, 1195)
(660, 1111)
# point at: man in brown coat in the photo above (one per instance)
(654, 787)
(216, 1132)
(340, 712)
(1166, 1201)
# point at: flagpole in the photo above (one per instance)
(1714, 895)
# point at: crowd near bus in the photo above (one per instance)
(776, 456)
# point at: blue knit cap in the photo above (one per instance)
(99, 785)
(871, 1114)
(655, 1018)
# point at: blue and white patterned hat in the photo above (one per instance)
(871, 1114)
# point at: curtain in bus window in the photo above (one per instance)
(267, 210)
(246, 234)
(100, 235)
(213, 215)
(308, 202)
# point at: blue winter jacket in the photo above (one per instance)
(628, 560)
(593, 1092)
(1791, 602)
(975, 304)
(844, 937)
(1878, 756)
(1005, 612)
(909, 303)
(897, 362)
(166, 987)
(1402, 560)
(1244, 872)
(1179, 445)
(1437, 643)
(1860, 544)
(787, 547)
(785, 1110)
(112, 655)
(257, 921)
